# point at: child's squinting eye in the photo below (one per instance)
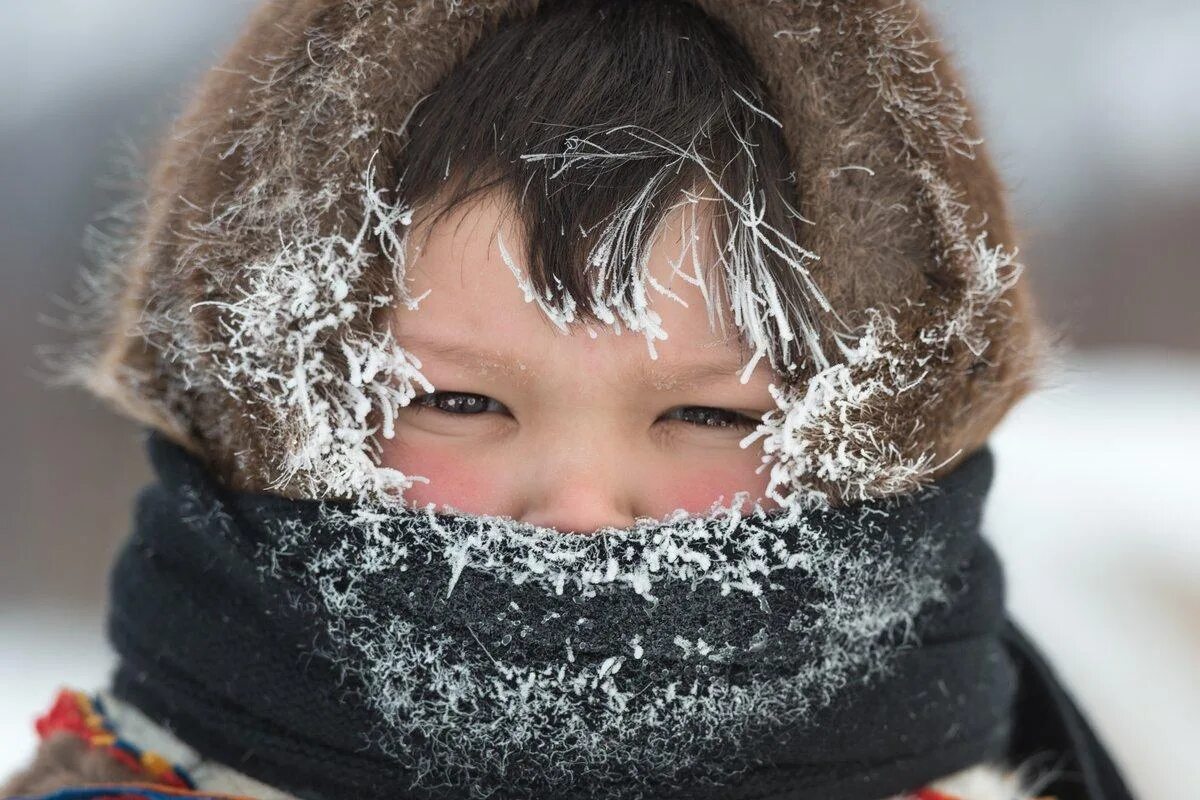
(467, 403)
(711, 417)
(458, 402)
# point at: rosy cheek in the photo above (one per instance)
(454, 480)
(697, 489)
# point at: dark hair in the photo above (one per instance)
(646, 79)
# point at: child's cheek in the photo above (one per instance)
(695, 490)
(453, 480)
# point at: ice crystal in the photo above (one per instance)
(289, 309)
(823, 429)
(622, 287)
(551, 683)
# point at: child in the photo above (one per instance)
(569, 400)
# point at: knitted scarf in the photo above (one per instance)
(336, 650)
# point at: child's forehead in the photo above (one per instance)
(472, 225)
(474, 311)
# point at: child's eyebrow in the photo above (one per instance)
(465, 355)
(648, 373)
(685, 376)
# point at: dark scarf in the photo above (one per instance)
(335, 651)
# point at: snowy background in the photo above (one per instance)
(1090, 110)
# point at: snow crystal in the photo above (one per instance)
(621, 283)
(274, 353)
(591, 700)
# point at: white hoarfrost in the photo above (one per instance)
(829, 603)
(475, 708)
(621, 283)
(817, 431)
(329, 414)
(901, 67)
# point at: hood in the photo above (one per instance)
(242, 319)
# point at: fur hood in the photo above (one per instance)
(242, 319)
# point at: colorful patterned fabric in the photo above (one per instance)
(84, 717)
(125, 792)
(78, 715)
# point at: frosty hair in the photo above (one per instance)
(667, 114)
(629, 112)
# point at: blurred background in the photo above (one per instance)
(1090, 111)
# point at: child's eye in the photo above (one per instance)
(458, 402)
(706, 417)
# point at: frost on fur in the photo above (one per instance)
(284, 268)
(929, 112)
(855, 431)
(527, 666)
(291, 310)
(831, 432)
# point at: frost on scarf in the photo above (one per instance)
(663, 649)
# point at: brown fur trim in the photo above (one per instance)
(887, 157)
(63, 761)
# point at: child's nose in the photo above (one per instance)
(578, 505)
(580, 491)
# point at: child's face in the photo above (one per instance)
(565, 430)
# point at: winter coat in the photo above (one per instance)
(71, 756)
